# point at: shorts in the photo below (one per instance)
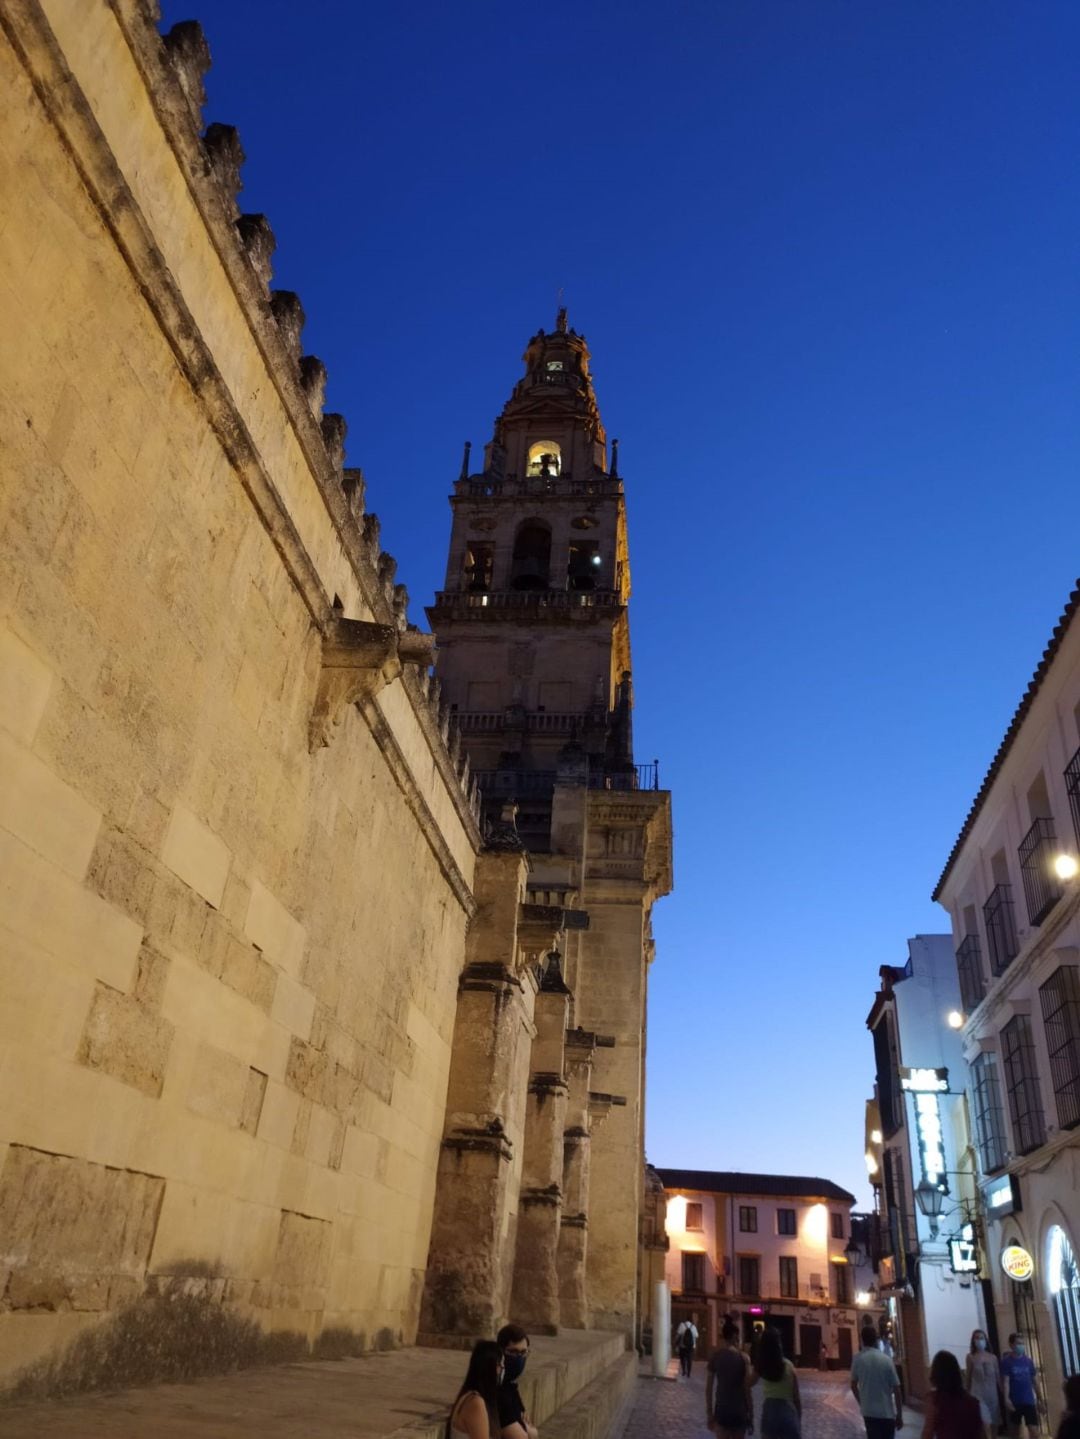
(1027, 1412)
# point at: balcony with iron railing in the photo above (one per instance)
(970, 971)
(491, 486)
(493, 604)
(1001, 941)
(1041, 888)
(526, 783)
(1072, 789)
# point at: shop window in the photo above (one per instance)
(785, 1221)
(989, 1118)
(531, 560)
(789, 1276)
(479, 565)
(1063, 1281)
(749, 1275)
(747, 1218)
(837, 1223)
(693, 1273)
(693, 1216)
(1060, 997)
(1022, 1084)
(545, 460)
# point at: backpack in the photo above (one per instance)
(686, 1338)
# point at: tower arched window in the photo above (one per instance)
(531, 562)
(545, 460)
(1063, 1281)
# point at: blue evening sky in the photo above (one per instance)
(826, 256)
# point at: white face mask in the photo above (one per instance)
(980, 1344)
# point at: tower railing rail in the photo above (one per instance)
(474, 602)
(488, 486)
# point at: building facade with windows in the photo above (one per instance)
(1011, 890)
(920, 1161)
(764, 1249)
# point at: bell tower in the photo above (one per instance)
(532, 626)
(533, 658)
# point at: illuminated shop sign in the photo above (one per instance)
(1017, 1263)
(924, 1085)
(963, 1255)
(1002, 1196)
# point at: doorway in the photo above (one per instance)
(809, 1345)
(844, 1345)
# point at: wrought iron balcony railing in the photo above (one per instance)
(1072, 789)
(1041, 889)
(970, 970)
(1000, 929)
(522, 783)
(488, 486)
(489, 604)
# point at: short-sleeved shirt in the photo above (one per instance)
(1018, 1371)
(876, 1376)
(729, 1370)
(511, 1405)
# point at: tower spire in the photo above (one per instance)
(560, 321)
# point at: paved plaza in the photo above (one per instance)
(676, 1410)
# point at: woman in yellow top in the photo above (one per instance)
(781, 1412)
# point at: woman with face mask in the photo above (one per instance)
(514, 1421)
(983, 1382)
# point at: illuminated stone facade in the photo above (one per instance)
(275, 997)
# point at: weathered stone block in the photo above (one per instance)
(196, 854)
(271, 928)
(218, 1085)
(126, 1040)
(251, 1106)
(25, 683)
(293, 1007)
(246, 971)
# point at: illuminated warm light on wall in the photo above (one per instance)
(871, 1163)
(875, 1136)
(816, 1226)
(862, 1298)
(954, 1019)
(676, 1215)
(1066, 867)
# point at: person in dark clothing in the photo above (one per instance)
(951, 1413)
(514, 1421)
(728, 1410)
(1069, 1428)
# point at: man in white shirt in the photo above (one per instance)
(876, 1385)
(686, 1337)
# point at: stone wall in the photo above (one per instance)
(236, 851)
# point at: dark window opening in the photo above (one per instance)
(479, 565)
(748, 1218)
(749, 1275)
(789, 1276)
(989, 1118)
(785, 1221)
(693, 1273)
(837, 1222)
(583, 565)
(693, 1216)
(531, 562)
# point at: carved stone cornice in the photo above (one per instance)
(492, 1140)
(574, 1221)
(360, 658)
(545, 1083)
(550, 1196)
(488, 978)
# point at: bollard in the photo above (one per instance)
(661, 1329)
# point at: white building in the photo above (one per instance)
(1011, 889)
(764, 1249)
(921, 1162)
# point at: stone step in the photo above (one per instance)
(400, 1394)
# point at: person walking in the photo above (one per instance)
(982, 1378)
(475, 1413)
(514, 1421)
(950, 1412)
(686, 1338)
(781, 1409)
(1018, 1371)
(876, 1385)
(1069, 1428)
(728, 1409)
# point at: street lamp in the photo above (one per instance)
(931, 1202)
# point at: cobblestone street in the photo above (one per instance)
(666, 1410)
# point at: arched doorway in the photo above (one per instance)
(1063, 1285)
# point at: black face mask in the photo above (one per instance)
(513, 1366)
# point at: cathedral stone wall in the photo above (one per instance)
(231, 935)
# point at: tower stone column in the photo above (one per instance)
(535, 1302)
(469, 1267)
